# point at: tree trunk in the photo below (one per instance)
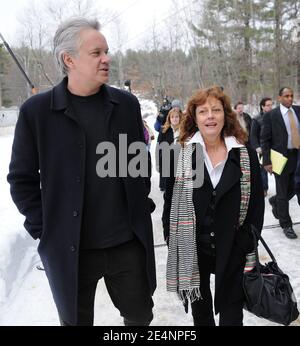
(0, 91)
(278, 44)
(248, 52)
(298, 61)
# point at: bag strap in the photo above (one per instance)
(256, 236)
(245, 184)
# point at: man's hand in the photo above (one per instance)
(269, 169)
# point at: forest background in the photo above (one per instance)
(249, 47)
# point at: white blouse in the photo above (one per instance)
(215, 173)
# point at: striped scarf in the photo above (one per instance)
(182, 265)
(245, 196)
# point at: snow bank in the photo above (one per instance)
(30, 300)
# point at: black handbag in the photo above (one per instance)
(268, 292)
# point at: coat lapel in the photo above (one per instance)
(59, 99)
(60, 102)
(108, 103)
(279, 119)
(297, 111)
(231, 174)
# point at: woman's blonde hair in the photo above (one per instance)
(167, 124)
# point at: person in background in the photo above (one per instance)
(164, 111)
(170, 134)
(176, 104)
(148, 134)
(281, 132)
(162, 114)
(208, 228)
(297, 175)
(265, 105)
(244, 118)
(89, 227)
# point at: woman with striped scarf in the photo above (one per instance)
(207, 227)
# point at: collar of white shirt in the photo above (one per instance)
(215, 173)
(284, 110)
(230, 141)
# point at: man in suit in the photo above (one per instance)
(281, 132)
(297, 175)
(89, 225)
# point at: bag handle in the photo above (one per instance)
(256, 236)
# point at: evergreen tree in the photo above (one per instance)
(4, 65)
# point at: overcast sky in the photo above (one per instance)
(136, 16)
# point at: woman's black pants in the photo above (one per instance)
(202, 309)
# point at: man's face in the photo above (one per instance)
(268, 106)
(91, 64)
(239, 109)
(287, 97)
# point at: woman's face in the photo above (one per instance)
(174, 119)
(210, 118)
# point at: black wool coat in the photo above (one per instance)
(256, 131)
(232, 242)
(47, 174)
(167, 137)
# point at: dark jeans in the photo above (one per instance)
(285, 190)
(202, 309)
(124, 271)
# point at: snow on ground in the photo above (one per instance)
(25, 297)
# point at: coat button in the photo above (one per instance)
(78, 180)
(80, 144)
(212, 234)
(212, 246)
(75, 213)
(214, 193)
(72, 248)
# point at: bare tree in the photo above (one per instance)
(38, 23)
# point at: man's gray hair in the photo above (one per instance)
(66, 38)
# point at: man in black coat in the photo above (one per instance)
(265, 105)
(244, 118)
(281, 132)
(297, 175)
(90, 224)
(162, 114)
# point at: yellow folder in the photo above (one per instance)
(278, 161)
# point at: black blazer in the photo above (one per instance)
(46, 175)
(167, 137)
(232, 243)
(256, 131)
(274, 134)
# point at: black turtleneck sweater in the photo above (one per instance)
(105, 220)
